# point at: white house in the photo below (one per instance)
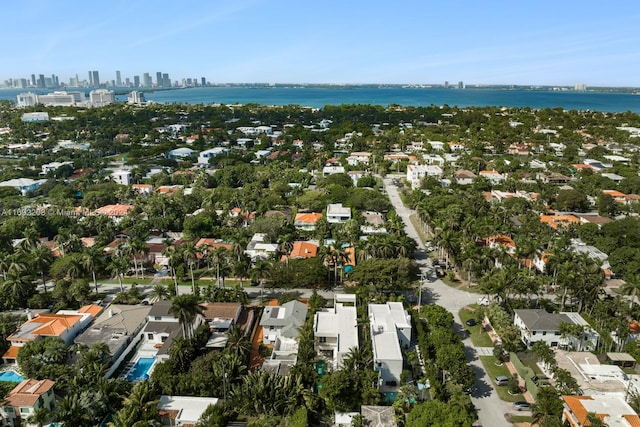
(282, 321)
(390, 333)
(122, 177)
(358, 157)
(53, 166)
(337, 214)
(25, 399)
(205, 156)
(181, 153)
(182, 411)
(336, 329)
(257, 248)
(539, 325)
(415, 173)
(330, 170)
(24, 185)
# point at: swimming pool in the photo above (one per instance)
(140, 370)
(11, 376)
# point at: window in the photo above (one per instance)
(25, 410)
(323, 339)
(534, 332)
(157, 318)
(164, 339)
(544, 332)
(8, 409)
(150, 336)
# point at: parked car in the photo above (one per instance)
(521, 406)
(502, 380)
(540, 380)
(470, 322)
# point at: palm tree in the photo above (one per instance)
(159, 292)
(18, 287)
(119, 266)
(631, 287)
(238, 343)
(39, 416)
(41, 259)
(90, 260)
(189, 254)
(186, 309)
(138, 248)
(218, 256)
(260, 271)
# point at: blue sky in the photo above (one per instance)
(331, 41)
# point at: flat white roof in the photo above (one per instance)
(190, 408)
(341, 322)
(384, 336)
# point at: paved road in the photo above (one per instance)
(491, 410)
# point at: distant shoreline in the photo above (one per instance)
(549, 88)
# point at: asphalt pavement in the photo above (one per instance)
(491, 410)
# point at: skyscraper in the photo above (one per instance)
(33, 79)
(90, 78)
(96, 79)
(159, 78)
(166, 81)
(118, 79)
(41, 80)
(146, 80)
(204, 81)
(136, 81)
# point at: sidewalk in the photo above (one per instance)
(495, 339)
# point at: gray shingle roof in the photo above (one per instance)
(540, 320)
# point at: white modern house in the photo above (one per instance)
(390, 333)
(539, 325)
(336, 329)
(24, 185)
(337, 214)
(182, 411)
(416, 173)
(181, 153)
(330, 170)
(122, 177)
(53, 166)
(258, 248)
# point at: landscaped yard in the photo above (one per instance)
(478, 335)
(503, 391)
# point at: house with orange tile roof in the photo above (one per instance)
(306, 221)
(502, 241)
(301, 250)
(65, 324)
(168, 190)
(25, 399)
(115, 212)
(556, 221)
(612, 409)
(618, 196)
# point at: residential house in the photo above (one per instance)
(115, 212)
(183, 411)
(25, 399)
(390, 333)
(24, 185)
(415, 173)
(330, 170)
(378, 416)
(436, 145)
(338, 214)
(374, 223)
(53, 166)
(539, 325)
(464, 177)
(594, 219)
(306, 221)
(282, 321)
(162, 328)
(493, 176)
(359, 157)
(433, 159)
(301, 250)
(65, 324)
(220, 316)
(355, 176)
(181, 153)
(142, 189)
(122, 177)
(552, 178)
(336, 329)
(611, 408)
(259, 249)
(205, 156)
(556, 221)
(116, 326)
(593, 253)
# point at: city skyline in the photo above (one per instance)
(411, 42)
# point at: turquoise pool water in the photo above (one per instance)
(11, 376)
(140, 370)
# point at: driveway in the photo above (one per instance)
(491, 410)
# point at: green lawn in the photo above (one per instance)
(531, 363)
(516, 419)
(478, 335)
(503, 391)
